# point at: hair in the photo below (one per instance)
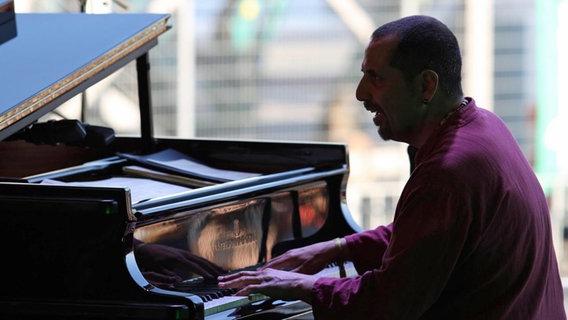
(425, 43)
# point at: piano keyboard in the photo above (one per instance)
(217, 300)
(230, 302)
(333, 271)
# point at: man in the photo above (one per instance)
(471, 237)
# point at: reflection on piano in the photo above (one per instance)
(82, 245)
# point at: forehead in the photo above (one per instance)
(379, 52)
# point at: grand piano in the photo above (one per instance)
(89, 219)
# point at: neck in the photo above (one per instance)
(439, 115)
(454, 110)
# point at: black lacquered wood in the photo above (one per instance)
(56, 56)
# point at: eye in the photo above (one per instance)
(373, 76)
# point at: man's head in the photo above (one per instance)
(425, 43)
(411, 78)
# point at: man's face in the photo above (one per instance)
(397, 104)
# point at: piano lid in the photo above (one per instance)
(56, 56)
(7, 21)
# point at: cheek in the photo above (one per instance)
(397, 96)
(386, 99)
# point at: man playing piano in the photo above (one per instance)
(471, 237)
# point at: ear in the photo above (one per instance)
(429, 84)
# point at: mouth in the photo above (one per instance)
(378, 117)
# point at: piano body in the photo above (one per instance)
(75, 221)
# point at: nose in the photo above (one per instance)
(359, 92)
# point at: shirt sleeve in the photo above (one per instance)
(360, 244)
(428, 232)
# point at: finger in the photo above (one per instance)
(227, 277)
(279, 264)
(238, 282)
(243, 292)
(250, 289)
(236, 275)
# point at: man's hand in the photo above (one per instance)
(278, 284)
(309, 259)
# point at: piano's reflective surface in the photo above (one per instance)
(139, 227)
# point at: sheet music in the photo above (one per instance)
(181, 163)
(140, 188)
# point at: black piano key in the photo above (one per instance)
(228, 292)
(215, 295)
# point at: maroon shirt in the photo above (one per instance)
(471, 237)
